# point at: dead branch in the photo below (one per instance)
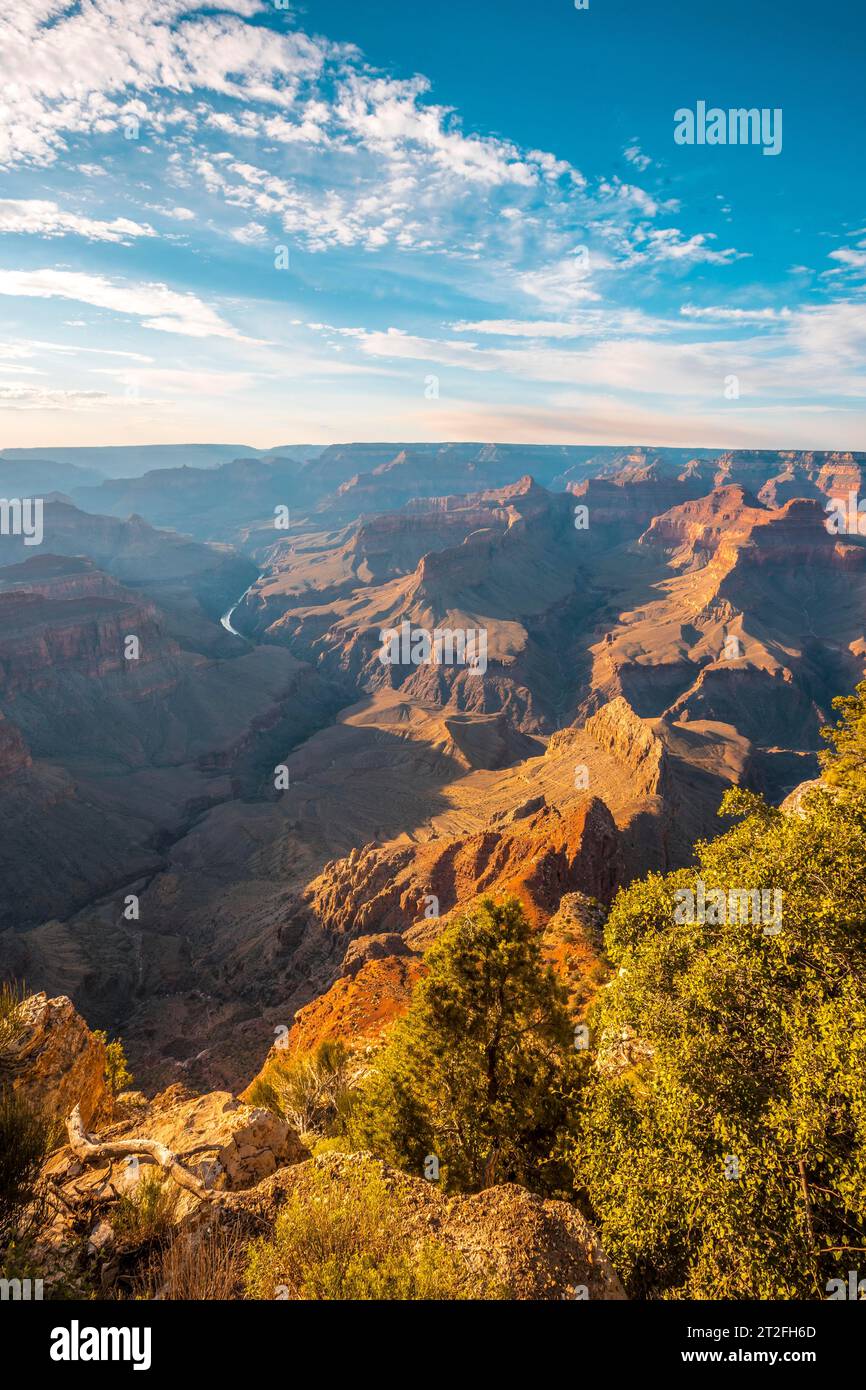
(89, 1151)
(55, 1193)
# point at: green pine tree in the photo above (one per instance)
(481, 1073)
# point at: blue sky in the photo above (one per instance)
(390, 221)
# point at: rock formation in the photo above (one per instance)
(56, 1061)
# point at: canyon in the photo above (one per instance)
(159, 872)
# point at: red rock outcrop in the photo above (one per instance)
(631, 740)
(357, 1010)
(82, 637)
(536, 858)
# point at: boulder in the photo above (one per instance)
(793, 802)
(227, 1144)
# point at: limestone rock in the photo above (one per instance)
(794, 800)
(101, 1238)
(58, 1062)
(229, 1145)
(618, 730)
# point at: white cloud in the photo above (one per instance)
(522, 328)
(251, 234)
(320, 217)
(275, 136)
(156, 305)
(630, 195)
(359, 158)
(34, 345)
(670, 244)
(635, 156)
(584, 323)
(76, 67)
(849, 258)
(562, 283)
(397, 344)
(41, 218)
(15, 397)
(250, 124)
(815, 354)
(719, 314)
(830, 337)
(181, 382)
(386, 116)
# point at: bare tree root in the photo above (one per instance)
(90, 1150)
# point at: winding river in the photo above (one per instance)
(226, 619)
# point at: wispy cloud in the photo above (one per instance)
(522, 328)
(156, 305)
(634, 154)
(38, 217)
(716, 313)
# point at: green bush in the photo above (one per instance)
(27, 1136)
(723, 1143)
(118, 1077)
(147, 1213)
(844, 763)
(335, 1239)
(313, 1091)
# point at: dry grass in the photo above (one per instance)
(200, 1266)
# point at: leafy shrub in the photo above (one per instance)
(844, 763)
(336, 1240)
(118, 1077)
(723, 1144)
(313, 1091)
(146, 1214)
(27, 1136)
